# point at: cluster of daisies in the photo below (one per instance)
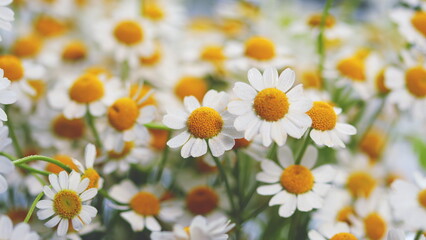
(251, 120)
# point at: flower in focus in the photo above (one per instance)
(6, 166)
(295, 186)
(268, 107)
(7, 16)
(7, 96)
(21, 231)
(67, 202)
(207, 123)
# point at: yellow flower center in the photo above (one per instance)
(260, 48)
(98, 70)
(152, 11)
(86, 89)
(128, 146)
(271, 104)
(74, 51)
(93, 176)
(12, 67)
(241, 143)
(153, 59)
(419, 22)
(202, 200)
(344, 213)
(375, 226)
(315, 21)
(39, 87)
(352, 68)
(323, 116)
(50, 27)
(297, 179)
(415, 78)
(141, 93)
(66, 128)
(213, 54)
(28, 46)
(232, 27)
(67, 204)
(191, 86)
(390, 178)
(311, 79)
(203, 167)
(344, 236)
(372, 144)
(53, 168)
(380, 82)
(129, 32)
(204, 122)
(158, 139)
(422, 198)
(122, 115)
(361, 184)
(145, 204)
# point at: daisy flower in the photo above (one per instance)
(339, 231)
(409, 202)
(326, 130)
(6, 166)
(200, 228)
(144, 206)
(337, 208)
(67, 202)
(7, 16)
(88, 171)
(207, 124)
(269, 107)
(7, 96)
(295, 186)
(21, 231)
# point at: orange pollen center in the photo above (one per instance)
(93, 176)
(158, 138)
(191, 86)
(352, 68)
(28, 46)
(12, 67)
(152, 59)
(311, 79)
(74, 51)
(375, 226)
(128, 146)
(372, 144)
(129, 32)
(361, 184)
(260, 48)
(415, 79)
(145, 204)
(152, 11)
(202, 200)
(137, 93)
(419, 22)
(323, 116)
(86, 89)
(422, 198)
(344, 236)
(213, 54)
(315, 21)
(241, 143)
(122, 115)
(271, 104)
(17, 215)
(66, 128)
(204, 122)
(39, 87)
(297, 179)
(67, 204)
(380, 82)
(204, 167)
(49, 26)
(344, 213)
(53, 168)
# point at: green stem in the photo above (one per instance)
(124, 71)
(42, 158)
(163, 160)
(33, 170)
(15, 143)
(30, 212)
(8, 156)
(303, 147)
(320, 41)
(107, 196)
(157, 126)
(91, 123)
(418, 235)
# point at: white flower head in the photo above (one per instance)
(7, 96)
(6, 166)
(21, 231)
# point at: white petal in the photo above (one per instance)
(270, 76)
(5, 227)
(179, 140)
(185, 152)
(8, 97)
(63, 180)
(199, 148)
(271, 167)
(314, 235)
(216, 147)
(265, 130)
(244, 91)
(309, 157)
(88, 194)
(286, 80)
(63, 227)
(6, 166)
(269, 189)
(152, 224)
(321, 188)
(44, 204)
(239, 107)
(291, 128)
(91, 211)
(53, 179)
(266, 178)
(90, 155)
(255, 79)
(48, 191)
(276, 133)
(174, 121)
(346, 128)
(303, 203)
(324, 173)
(285, 157)
(83, 185)
(281, 198)
(77, 224)
(287, 209)
(45, 213)
(136, 222)
(53, 222)
(191, 103)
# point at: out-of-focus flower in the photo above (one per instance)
(67, 202)
(268, 107)
(6, 166)
(7, 16)
(21, 231)
(339, 231)
(207, 123)
(295, 186)
(88, 171)
(7, 96)
(411, 23)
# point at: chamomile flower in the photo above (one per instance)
(338, 208)
(200, 228)
(6, 166)
(326, 130)
(292, 185)
(66, 204)
(408, 201)
(21, 231)
(7, 16)
(207, 124)
(145, 206)
(269, 107)
(411, 24)
(88, 171)
(7, 96)
(339, 231)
